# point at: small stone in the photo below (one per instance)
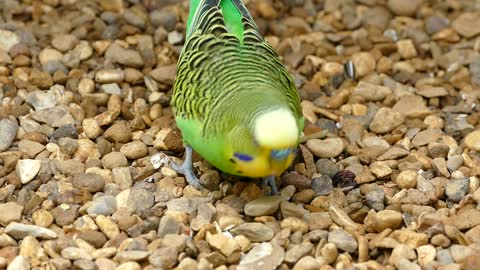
(426, 136)
(405, 264)
(19, 231)
(386, 120)
(127, 57)
(263, 206)
(402, 252)
(164, 74)
(134, 150)
(19, 263)
(371, 92)
(114, 160)
(326, 167)
(64, 43)
(42, 100)
(327, 148)
(119, 133)
(107, 226)
(322, 185)
(11, 212)
(131, 255)
(402, 8)
(104, 205)
(112, 89)
(294, 224)
(343, 240)
(307, 263)
(27, 169)
(255, 232)
(298, 251)
(407, 179)
(440, 167)
(95, 238)
(375, 199)
(129, 266)
(164, 258)
(426, 254)
(472, 140)
(42, 218)
(441, 240)
(90, 182)
(406, 48)
(75, 253)
(410, 238)
(8, 39)
(263, 256)
(457, 189)
(385, 219)
(412, 106)
(8, 131)
(380, 169)
(364, 63)
(222, 243)
(465, 24)
(319, 221)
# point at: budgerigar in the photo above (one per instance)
(233, 100)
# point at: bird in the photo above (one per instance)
(233, 100)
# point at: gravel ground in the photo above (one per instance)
(386, 178)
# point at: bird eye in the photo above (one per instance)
(243, 157)
(280, 154)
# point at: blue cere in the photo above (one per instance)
(243, 157)
(280, 154)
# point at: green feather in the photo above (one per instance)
(232, 14)
(227, 75)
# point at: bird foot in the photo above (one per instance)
(270, 181)
(187, 169)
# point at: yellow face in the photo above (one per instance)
(267, 163)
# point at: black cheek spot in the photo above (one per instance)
(232, 160)
(239, 171)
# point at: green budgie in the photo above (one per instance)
(233, 99)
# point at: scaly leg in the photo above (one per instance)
(187, 169)
(270, 181)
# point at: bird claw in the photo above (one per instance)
(270, 181)
(187, 169)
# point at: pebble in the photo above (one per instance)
(382, 220)
(364, 63)
(386, 120)
(255, 232)
(104, 205)
(8, 131)
(8, 39)
(64, 43)
(114, 160)
(11, 212)
(472, 140)
(322, 185)
(327, 148)
(126, 57)
(27, 169)
(19, 231)
(402, 252)
(265, 256)
(457, 189)
(134, 150)
(375, 199)
(264, 206)
(343, 240)
(19, 263)
(402, 8)
(464, 24)
(407, 179)
(326, 167)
